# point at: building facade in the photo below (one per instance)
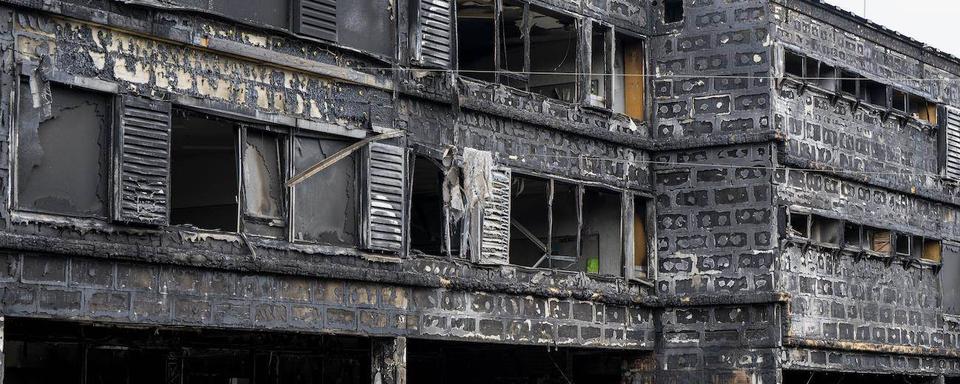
(476, 191)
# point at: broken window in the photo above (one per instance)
(899, 101)
(793, 64)
(825, 76)
(264, 173)
(640, 257)
(565, 223)
(326, 205)
(932, 250)
(902, 244)
(629, 81)
(849, 82)
(799, 224)
(367, 25)
(601, 241)
(922, 109)
(672, 11)
(553, 54)
(825, 230)
(63, 151)
(601, 66)
(476, 39)
(204, 173)
(874, 93)
(512, 67)
(529, 220)
(879, 240)
(852, 236)
(427, 217)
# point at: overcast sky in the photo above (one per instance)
(933, 22)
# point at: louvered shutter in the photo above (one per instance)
(952, 166)
(495, 221)
(142, 162)
(434, 48)
(385, 196)
(316, 18)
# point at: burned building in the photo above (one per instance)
(477, 191)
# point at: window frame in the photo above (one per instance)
(627, 270)
(107, 135)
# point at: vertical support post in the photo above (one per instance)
(388, 363)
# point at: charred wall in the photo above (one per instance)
(851, 309)
(715, 63)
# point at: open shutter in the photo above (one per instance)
(495, 220)
(385, 195)
(433, 42)
(952, 147)
(316, 19)
(143, 161)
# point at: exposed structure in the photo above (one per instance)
(475, 191)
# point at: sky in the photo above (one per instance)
(932, 22)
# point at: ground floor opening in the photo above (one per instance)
(820, 377)
(63, 352)
(436, 362)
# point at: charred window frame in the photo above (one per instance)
(205, 171)
(816, 228)
(62, 150)
(602, 54)
(514, 43)
(563, 225)
(265, 167)
(325, 207)
(906, 105)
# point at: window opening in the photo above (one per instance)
(672, 11)
(426, 207)
(476, 39)
(204, 175)
(529, 220)
(602, 240)
(553, 54)
(327, 203)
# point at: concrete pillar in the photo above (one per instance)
(388, 360)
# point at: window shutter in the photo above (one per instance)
(433, 46)
(316, 18)
(385, 195)
(142, 182)
(952, 166)
(495, 221)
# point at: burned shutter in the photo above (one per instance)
(433, 41)
(316, 18)
(143, 161)
(495, 220)
(952, 150)
(385, 186)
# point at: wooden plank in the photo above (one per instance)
(633, 81)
